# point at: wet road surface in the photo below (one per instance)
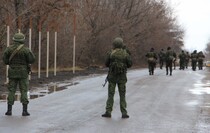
(156, 104)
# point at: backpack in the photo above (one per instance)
(118, 61)
(151, 60)
(151, 57)
(170, 56)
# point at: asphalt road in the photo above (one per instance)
(156, 104)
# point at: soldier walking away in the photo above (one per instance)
(161, 55)
(118, 60)
(200, 60)
(187, 60)
(182, 61)
(170, 57)
(151, 59)
(194, 59)
(174, 61)
(18, 57)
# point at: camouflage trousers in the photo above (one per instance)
(23, 86)
(110, 100)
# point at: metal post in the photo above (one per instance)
(29, 77)
(47, 64)
(74, 43)
(19, 24)
(74, 53)
(8, 41)
(55, 57)
(39, 60)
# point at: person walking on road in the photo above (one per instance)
(182, 61)
(18, 57)
(194, 59)
(118, 60)
(201, 57)
(170, 57)
(161, 55)
(187, 59)
(151, 59)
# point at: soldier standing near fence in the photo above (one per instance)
(18, 57)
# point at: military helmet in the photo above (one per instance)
(118, 42)
(19, 37)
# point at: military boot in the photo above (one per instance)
(125, 116)
(106, 114)
(9, 110)
(25, 112)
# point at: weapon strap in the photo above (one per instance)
(15, 52)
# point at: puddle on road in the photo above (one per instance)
(39, 93)
(192, 103)
(201, 89)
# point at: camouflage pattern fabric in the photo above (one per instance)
(118, 60)
(151, 59)
(18, 70)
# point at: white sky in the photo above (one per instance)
(194, 17)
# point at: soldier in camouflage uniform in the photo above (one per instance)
(200, 60)
(118, 60)
(151, 59)
(161, 58)
(182, 57)
(18, 57)
(174, 61)
(194, 59)
(187, 59)
(170, 57)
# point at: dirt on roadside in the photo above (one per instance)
(60, 76)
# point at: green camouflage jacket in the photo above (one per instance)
(18, 65)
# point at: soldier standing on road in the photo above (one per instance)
(170, 57)
(18, 57)
(118, 60)
(151, 59)
(161, 58)
(194, 59)
(200, 60)
(182, 57)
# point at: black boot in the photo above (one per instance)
(9, 110)
(106, 114)
(125, 116)
(25, 112)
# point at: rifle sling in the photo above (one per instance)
(15, 52)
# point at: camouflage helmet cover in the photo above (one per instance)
(118, 42)
(19, 37)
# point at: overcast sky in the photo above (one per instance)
(194, 17)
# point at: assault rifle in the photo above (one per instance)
(105, 82)
(29, 69)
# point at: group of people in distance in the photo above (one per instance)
(170, 58)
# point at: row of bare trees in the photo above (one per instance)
(141, 23)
